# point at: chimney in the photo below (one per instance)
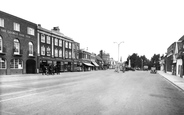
(56, 29)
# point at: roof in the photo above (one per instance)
(182, 38)
(99, 58)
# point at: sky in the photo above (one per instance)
(145, 27)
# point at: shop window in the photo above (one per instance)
(2, 63)
(16, 46)
(30, 48)
(16, 64)
(42, 50)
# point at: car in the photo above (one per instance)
(153, 70)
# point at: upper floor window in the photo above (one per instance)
(16, 26)
(16, 64)
(30, 31)
(48, 51)
(42, 50)
(30, 48)
(2, 63)
(16, 46)
(1, 44)
(42, 38)
(69, 45)
(66, 54)
(48, 39)
(66, 44)
(60, 53)
(56, 41)
(1, 22)
(70, 54)
(60, 43)
(56, 52)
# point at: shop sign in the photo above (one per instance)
(14, 33)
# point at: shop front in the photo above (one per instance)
(95, 65)
(77, 65)
(68, 66)
(87, 66)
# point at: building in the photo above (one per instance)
(54, 48)
(106, 59)
(18, 45)
(85, 58)
(77, 64)
(93, 61)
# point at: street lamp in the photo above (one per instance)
(118, 48)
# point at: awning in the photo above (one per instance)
(88, 64)
(94, 63)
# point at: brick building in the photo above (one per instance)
(54, 48)
(17, 45)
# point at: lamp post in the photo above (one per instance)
(118, 48)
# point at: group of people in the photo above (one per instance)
(50, 69)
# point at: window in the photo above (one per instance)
(42, 38)
(56, 52)
(16, 46)
(48, 51)
(60, 53)
(42, 50)
(66, 54)
(16, 64)
(31, 48)
(30, 31)
(60, 43)
(70, 45)
(73, 55)
(56, 41)
(16, 26)
(66, 44)
(2, 63)
(70, 54)
(48, 39)
(1, 44)
(1, 22)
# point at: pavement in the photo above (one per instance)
(175, 80)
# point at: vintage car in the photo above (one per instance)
(153, 70)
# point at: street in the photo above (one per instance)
(90, 93)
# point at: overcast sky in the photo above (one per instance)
(147, 27)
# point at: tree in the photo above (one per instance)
(155, 61)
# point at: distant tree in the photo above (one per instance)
(155, 61)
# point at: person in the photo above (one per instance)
(117, 68)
